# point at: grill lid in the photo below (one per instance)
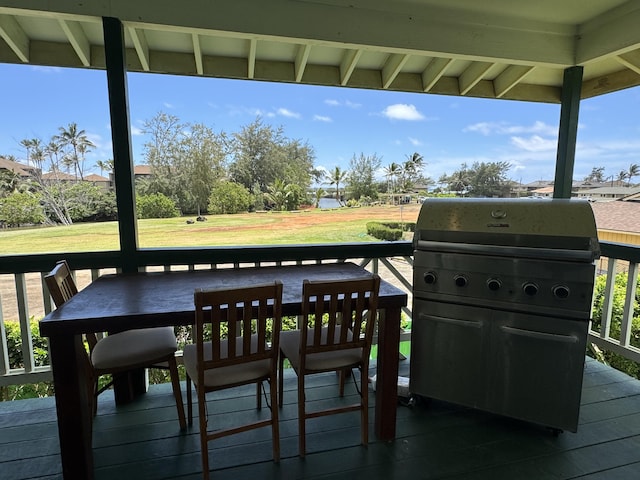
(524, 227)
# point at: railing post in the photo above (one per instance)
(25, 328)
(607, 305)
(629, 300)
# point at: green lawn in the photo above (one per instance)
(243, 229)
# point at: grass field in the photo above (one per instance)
(343, 225)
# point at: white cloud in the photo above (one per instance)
(288, 113)
(534, 143)
(47, 69)
(415, 142)
(168, 105)
(322, 118)
(337, 103)
(502, 128)
(402, 111)
(135, 131)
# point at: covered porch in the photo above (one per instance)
(550, 52)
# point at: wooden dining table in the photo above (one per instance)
(119, 302)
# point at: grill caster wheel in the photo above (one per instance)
(556, 431)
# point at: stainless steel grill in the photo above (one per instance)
(502, 297)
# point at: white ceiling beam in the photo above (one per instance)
(78, 40)
(14, 35)
(197, 53)
(251, 58)
(434, 71)
(472, 75)
(301, 60)
(616, 31)
(348, 65)
(509, 78)
(141, 46)
(392, 68)
(630, 60)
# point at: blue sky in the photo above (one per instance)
(337, 122)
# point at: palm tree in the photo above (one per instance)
(105, 165)
(79, 143)
(634, 170)
(335, 177)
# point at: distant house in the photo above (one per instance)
(607, 193)
(139, 171)
(58, 176)
(99, 181)
(24, 171)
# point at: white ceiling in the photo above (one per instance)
(512, 49)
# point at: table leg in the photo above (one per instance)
(68, 363)
(127, 386)
(387, 373)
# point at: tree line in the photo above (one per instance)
(194, 170)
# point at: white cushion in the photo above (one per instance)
(334, 360)
(133, 347)
(234, 374)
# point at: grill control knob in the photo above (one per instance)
(430, 278)
(561, 291)
(530, 289)
(494, 284)
(460, 281)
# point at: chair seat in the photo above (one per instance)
(233, 374)
(325, 361)
(133, 347)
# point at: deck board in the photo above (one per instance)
(434, 439)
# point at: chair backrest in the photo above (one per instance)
(339, 314)
(250, 315)
(60, 283)
(62, 287)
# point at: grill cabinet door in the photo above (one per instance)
(448, 353)
(537, 368)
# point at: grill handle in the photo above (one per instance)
(509, 251)
(553, 337)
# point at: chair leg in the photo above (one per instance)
(258, 396)
(302, 444)
(177, 393)
(364, 399)
(280, 379)
(189, 401)
(275, 424)
(341, 378)
(204, 444)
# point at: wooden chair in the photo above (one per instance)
(241, 355)
(340, 318)
(123, 351)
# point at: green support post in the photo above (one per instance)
(568, 132)
(121, 137)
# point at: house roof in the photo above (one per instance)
(611, 191)
(58, 176)
(15, 167)
(512, 49)
(141, 170)
(617, 215)
(95, 178)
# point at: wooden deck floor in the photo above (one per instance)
(434, 441)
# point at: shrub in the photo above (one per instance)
(21, 209)
(229, 197)
(619, 292)
(156, 205)
(41, 357)
(383, 232)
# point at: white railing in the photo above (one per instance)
(394, 266)
(396, 270)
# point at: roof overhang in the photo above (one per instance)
(512, 49)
